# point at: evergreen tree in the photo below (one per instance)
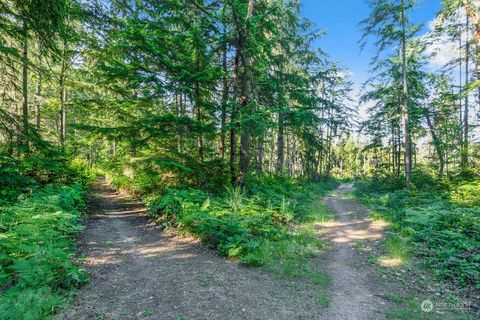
(389, 22)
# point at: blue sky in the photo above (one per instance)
(340, 18)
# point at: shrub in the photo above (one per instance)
(448, 238)
(441, 222)
(167, 207)
(38, 236)
(18, 177)
(234, 198)
(231, 236)
(245, 225)
(146, 175)
(12, 181)
(79, 172)
(467, 194)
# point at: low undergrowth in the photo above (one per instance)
(22, 176)
(438, 222)
(265, 225)
(37, 243)
(269, 223)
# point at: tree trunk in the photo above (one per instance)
(39, 93)
(473, 15)
(272, 152)
(198, 112)
(224, 95)
(181, 113)
(393, 149)
(405, 109)
(115, 147)
(466, 107)
(63, 96)
(38, 105)
(244, 154)
(261, 153)
(233, 118)
(25, 85)
(245, 100)
(63, 109)
(280, 144)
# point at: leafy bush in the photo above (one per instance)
(37, 245)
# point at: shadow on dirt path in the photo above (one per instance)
(356, 293)
(139, 271)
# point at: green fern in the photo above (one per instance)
(37, 245)
(234, 199)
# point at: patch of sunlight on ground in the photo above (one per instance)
(390, 262)
(379, 224)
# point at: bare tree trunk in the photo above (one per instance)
(294, 156)
(272, 152)
(25, 85)
(115, 147)
(328, 144)
(320, 151)
(63, 109)
(316, 162)
(15, 105)
(329, 152)
(394, 150)
(261, 153)
(244, 154)
(250, 8)
(280, 144)
(181, 113)
(198, 112)
(399, 151)
(38, 105)
(39, 93)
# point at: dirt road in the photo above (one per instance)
(139, 271)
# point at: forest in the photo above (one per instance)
(137, 134)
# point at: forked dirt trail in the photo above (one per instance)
(356, 293)
(139, 271)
